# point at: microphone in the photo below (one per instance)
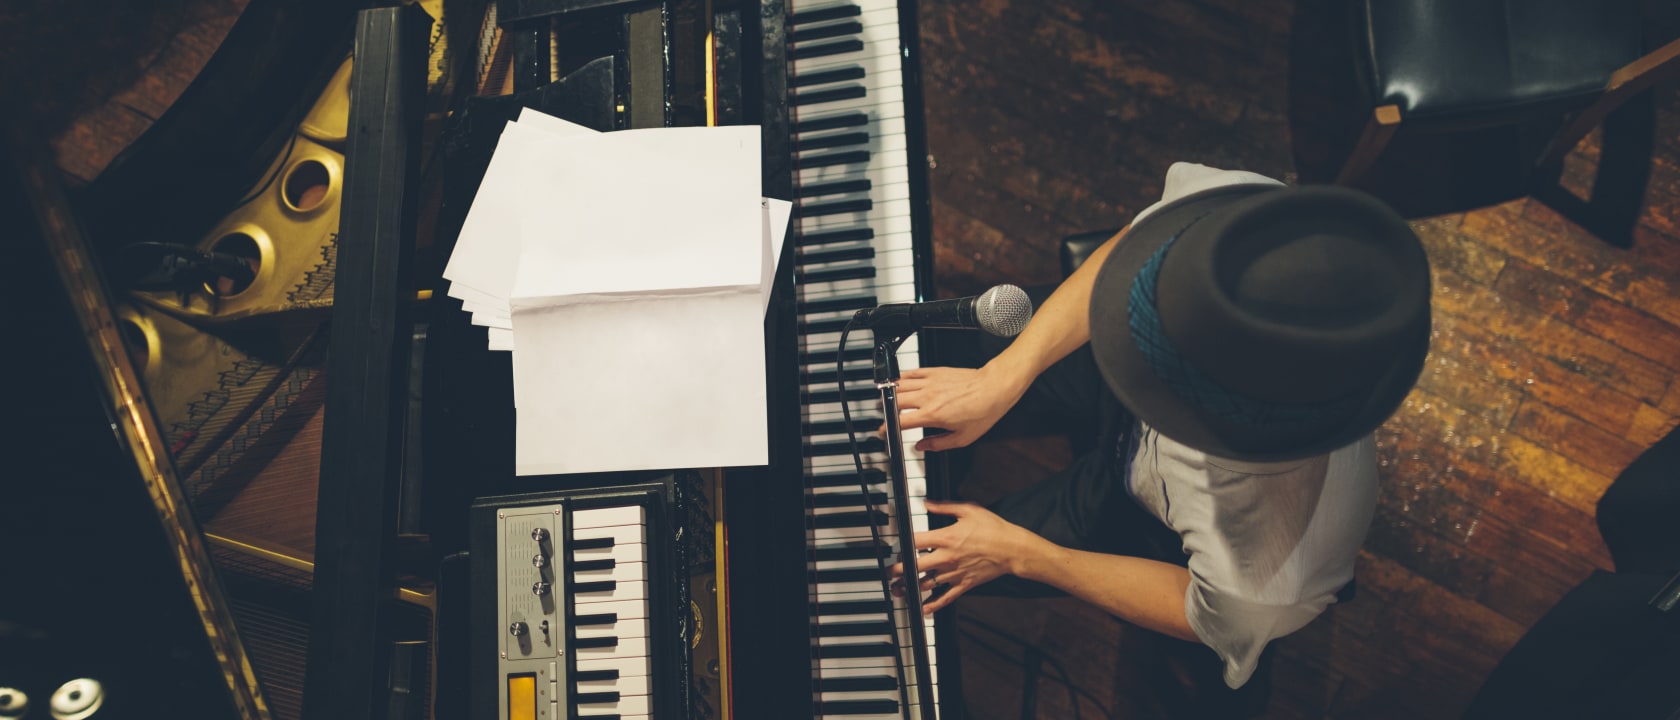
(1002, 311)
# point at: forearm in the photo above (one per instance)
(1140, 591)
(1058, 327)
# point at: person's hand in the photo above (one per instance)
(963, 402)
(979, 548)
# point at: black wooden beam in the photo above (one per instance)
(367, 370)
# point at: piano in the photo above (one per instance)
(800, 625)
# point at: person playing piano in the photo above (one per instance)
(1228, 355)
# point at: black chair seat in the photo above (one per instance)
(1457, 63)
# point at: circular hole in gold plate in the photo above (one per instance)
(306, 185)
(243, 246)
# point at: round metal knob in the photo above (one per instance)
(77, 699)
(517, 629)
(539, 534)
(13, 703)
(539, 560)
(541, 587)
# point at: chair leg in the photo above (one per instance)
(1658, 66)
(1378, 131)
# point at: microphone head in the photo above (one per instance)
(1003, 310)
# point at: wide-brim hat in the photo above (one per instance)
(1262, 322)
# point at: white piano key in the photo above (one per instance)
(639, 666)
(608, 517)
(631, 590)
(879, 175)
(624, 628)
(882, 222)
(624, 609)
(633, 685)
(625, 705)
(620, 534)
(861, 533)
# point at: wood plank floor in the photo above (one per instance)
(1552, 361)
(1553, 357)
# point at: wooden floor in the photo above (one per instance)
(1553, 358)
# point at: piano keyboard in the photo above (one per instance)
(853, 251)
(578, 648)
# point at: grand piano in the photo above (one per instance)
(346, 446)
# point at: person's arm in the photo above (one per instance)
(965, 402)
(981, 547)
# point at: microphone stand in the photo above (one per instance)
(886, 379)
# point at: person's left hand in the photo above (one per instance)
(978, 548)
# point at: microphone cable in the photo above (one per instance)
(874, 530)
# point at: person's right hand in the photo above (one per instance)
(963, 402)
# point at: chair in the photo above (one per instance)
(1460, 65)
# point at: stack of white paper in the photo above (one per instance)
(628, 273)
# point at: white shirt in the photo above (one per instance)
(1269, 543)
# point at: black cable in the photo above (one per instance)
(874, 530)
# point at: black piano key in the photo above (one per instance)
(836, 521)
(846, 479)
(593, 675)
(596, 697)
(807, 52)
(855, 629)
(861, 375)
(850, 552)
(828, 13)
(861, 650)
(824, 32)
(818, 397)
(819, 97)
(837, 255)
(838, 304)
(603, 564)
(832, 159)
(845, 575)
(839, 608)
(852, 72)
(834, 236)
(834, 500)
(865, 445)
(831, 427)
(596, 619)
(835, 188)
(820, 327)
(830, 141)
(828, 708)
(827, 356)
(597, 586)
(836, 274)
(858, 684)
(833, 208)
(595, 642)
(592, 543)
(831, 123)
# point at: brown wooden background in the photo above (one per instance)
(1552, 365)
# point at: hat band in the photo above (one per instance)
(1196, 388)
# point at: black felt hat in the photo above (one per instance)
(1261, 322)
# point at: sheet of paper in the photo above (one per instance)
(643, 211)
(640, 382)
(500, 340)
(482, 265)
(776, 215)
